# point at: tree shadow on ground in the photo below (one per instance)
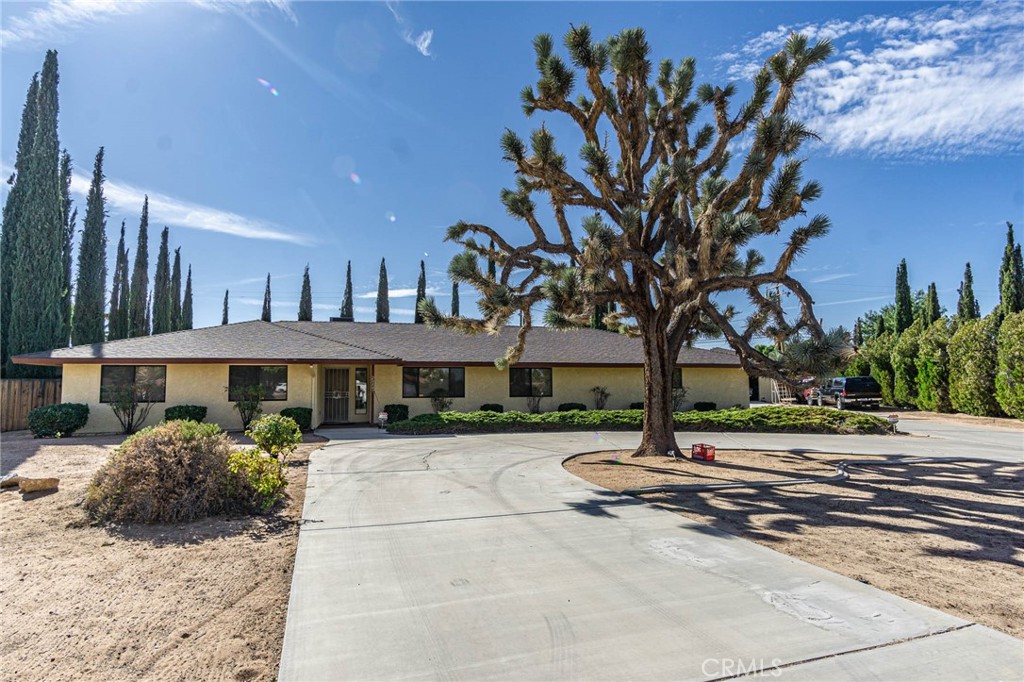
(975, 503)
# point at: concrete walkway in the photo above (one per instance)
(479, 557)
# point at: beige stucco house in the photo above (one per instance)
(347, 371)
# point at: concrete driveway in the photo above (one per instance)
(479, 557)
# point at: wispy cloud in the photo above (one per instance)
(168, 210)
(401, 293)
(57, 20)
(249, 300)
(853, 300)
(832, 278)
(943, 82)
(421, 41)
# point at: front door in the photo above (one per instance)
(335, 396)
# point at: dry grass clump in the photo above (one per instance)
(171, 473)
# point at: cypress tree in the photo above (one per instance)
(383, 306)
(113, 329)
(346, 301)
(13, 212)
(37, 319)
(306, 298)
(904, 302)
(91, 283)
(224, 313)
(69, 219)
(176, 291)
(266, 301)
(186, 304)
(162, 287)
(123, 307)
(1018, 265)
(455, 298)
(1009, 278)
(967, 305)
(931, 310)
(138, 291)
(421, 293)
(148, 328)
(858, 334)
(880, 326)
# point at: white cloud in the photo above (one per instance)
(58, 19)
(943, 82)
(165, 210)
(420, 41)
(853, 300)
(401, 293)
(831, 278)
(248, 300)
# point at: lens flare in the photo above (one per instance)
(354, 177)
(265, 83)
(390, 216)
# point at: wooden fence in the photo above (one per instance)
(19, 396)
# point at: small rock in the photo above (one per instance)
(35, 485)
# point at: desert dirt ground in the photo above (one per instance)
(205, 600)
(949, 535)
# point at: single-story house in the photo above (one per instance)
(348, 371)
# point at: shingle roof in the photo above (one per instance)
(381, 343)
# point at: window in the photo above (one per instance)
(424, 382)
(677, 377)
(529, 382)
(148, 381)
(273, 379)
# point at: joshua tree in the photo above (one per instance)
(663, 217)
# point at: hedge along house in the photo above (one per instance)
(347, 371)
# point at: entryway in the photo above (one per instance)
(345, 395)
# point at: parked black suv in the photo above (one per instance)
(843, 391)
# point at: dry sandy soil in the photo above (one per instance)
(204, 600)
(947, 535)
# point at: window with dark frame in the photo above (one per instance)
(677, 377)
(424, 382)
(530, 382)
(273, 379)
(148, 381)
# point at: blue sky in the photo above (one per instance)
(385, 124)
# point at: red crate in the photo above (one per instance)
(703, 451)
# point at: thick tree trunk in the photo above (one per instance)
(659, 431)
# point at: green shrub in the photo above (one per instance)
(972, 367)
(275, 434)
(704, 406)
(303, 416)
(170, 473)
(636, 406)
(904, 366)
(933, 368)
(758, 419)
(249, 404)
(569, 407)
(878, 353)
(1010, 365)
(397, 412)
(257, 480)
(439, 401)
(492, 407)
(64, 419)
(195, 413)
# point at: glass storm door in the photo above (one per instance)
(335, 396)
